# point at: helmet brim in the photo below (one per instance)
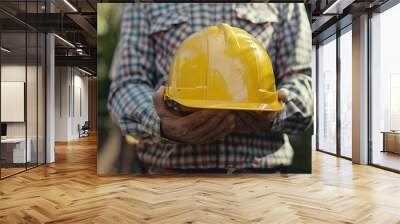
(213, 104)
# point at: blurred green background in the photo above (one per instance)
(108, 20)
(115, 156)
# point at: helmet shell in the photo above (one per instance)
(222, 67)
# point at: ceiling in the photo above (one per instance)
(330, 15)
(74, 22)
(19, 54)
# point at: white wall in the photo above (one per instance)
(16, 73)
(33, 126)
(61, 103)
(80, 94)
(11, 73)
(71, 94)
(12, 101)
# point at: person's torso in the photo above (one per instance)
(171, 24)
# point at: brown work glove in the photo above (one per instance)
(200, 127)
(252, 121)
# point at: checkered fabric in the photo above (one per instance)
(150, 35)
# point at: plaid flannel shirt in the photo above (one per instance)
(151, 33)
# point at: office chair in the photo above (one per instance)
(84, 130)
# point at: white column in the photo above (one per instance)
(50, 92)
(50, 110)
(360, 90)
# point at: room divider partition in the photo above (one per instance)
(23, 88)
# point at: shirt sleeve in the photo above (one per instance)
(294, 70)
(133, 78)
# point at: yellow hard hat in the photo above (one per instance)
(222, 67)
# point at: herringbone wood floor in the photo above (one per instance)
(69, 191)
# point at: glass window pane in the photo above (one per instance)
(31, 97)
(346, 94)
(385, 114)
(23, 85)
(32, 86)
(15, 150)
(327, 97)
(314, 78)
(41, 99)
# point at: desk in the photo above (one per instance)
(391, 141)
(13, 150)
